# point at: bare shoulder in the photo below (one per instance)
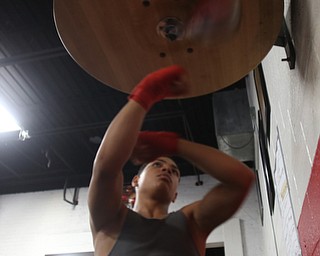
(190, 211)
(199, 236)
(217, 206)
(105, 239)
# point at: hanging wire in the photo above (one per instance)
(189, 136)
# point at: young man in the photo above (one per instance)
(149, 229)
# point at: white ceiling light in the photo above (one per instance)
(7, 121)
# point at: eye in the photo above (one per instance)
(157, 164)
(176, 172)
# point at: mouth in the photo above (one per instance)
(165, 177)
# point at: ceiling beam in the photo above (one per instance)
(33, 56)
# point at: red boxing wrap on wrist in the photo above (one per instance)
(214, 18)
(151, 145)
(157, 85)
(165, 143)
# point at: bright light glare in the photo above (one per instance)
(7, 122)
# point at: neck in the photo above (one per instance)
(150, 208)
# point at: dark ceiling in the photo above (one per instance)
(65, 110)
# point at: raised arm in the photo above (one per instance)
(105, 189)
(106, 184)
(222, 201)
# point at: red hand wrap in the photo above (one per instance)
(151, 145)
(156, 86)
(160, 143)
(214, 18)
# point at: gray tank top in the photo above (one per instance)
(153, 237)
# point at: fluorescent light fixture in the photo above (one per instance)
(7, 122)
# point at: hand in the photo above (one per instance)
(151, 145)
(214, 18)
(166, 82)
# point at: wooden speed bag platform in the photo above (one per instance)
(118, 41)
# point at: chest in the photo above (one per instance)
(167, 237)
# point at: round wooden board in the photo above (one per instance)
(117, 42)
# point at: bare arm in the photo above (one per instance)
(223, 200)
(105, 188)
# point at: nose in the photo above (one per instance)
(166, 168)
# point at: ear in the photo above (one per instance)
(135, 181)
(175, 197)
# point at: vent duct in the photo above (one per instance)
(233, 124)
